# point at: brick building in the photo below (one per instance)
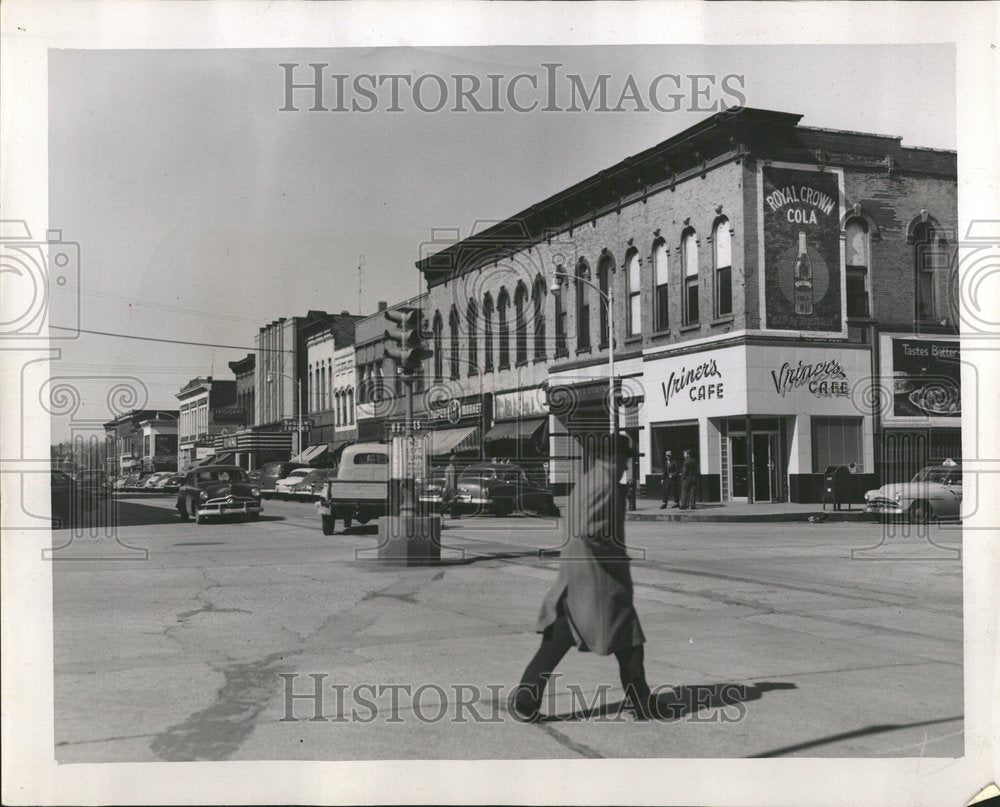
(783, 301)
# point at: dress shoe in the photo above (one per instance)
(523, 706)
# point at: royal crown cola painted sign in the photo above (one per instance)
(801, 230)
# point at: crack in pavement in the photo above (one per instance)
(217, 732)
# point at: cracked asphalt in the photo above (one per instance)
(268, 640)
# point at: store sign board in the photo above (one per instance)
(923, 375)
(530, 402)
(802, 379)
(804, 284)
(710, 383)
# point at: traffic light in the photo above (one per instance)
(411, 353)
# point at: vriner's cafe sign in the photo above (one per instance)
(800, 222)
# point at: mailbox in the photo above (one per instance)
(836, 486)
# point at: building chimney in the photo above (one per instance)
(382, 305)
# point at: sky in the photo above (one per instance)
(203, 212)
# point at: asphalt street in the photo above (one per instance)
(184, 642)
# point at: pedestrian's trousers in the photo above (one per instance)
(558, 639)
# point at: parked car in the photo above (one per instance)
(271, 472)
(935, 492)
(310, 486)
(359, 491)
(152, 482)
(171, 483)
(217, 490)
(283, 487)
(501, 490)
(254, 477)
(430, 491)
(130, 482)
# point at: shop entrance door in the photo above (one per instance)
(765, 466)
(762, 459)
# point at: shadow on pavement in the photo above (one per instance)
(849, 735)
(684, 701)
(112, 514)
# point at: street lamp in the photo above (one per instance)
(608, 299)
(298, 393)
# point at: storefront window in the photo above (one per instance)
(837, 441)
(661, 298)
(723, 269)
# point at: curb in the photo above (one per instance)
(827, 517)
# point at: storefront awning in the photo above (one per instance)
(525, 429)
(310, 453)
(202, 462)
(448, 440)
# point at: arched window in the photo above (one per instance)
(311, 396)
(350, 406)
(857, 248)
(521, 324)
(453, 358)
(503, 327)
(561, 346)
(329, 383)
(604, 268)
(438, 357)
(634, 283)
(487, 333)
(723, 243)
(689, 260)
(538, 313)
(924, 254)
(582, 306)
(472, 343)
(661, 292)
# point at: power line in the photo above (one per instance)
(166, 341)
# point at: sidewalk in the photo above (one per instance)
(649, 510)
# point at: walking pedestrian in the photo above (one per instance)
(671, 473)
(689, 481)
(590, 605)
(451, 484)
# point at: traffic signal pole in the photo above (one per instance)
(406, 536)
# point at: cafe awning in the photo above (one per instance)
(203, 462)
(525, 429)
(448, 440)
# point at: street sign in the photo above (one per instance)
(292, 424)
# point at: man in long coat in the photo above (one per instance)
(590, 604)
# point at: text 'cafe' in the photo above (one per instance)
(763, 419)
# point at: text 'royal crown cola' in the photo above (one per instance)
(803, 277)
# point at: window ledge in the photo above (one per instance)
(723, 320)
(634, 340)
(582, 350)
(473, 371)
(537, 359)
(694, 326)
(521, 363)
(504, 366)
(865, 320)
(602, 347)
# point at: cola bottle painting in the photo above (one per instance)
(803, 279)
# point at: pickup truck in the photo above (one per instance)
(360, 491)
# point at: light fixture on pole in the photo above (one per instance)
(607, 299)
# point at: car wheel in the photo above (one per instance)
(921, 512)
(329, 524)
(199, 518)
(502, 509)
(182, 511)
(347, 523)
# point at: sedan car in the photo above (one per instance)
(152, 482)
(171, 483)
(310, 486)
(501, 490)
(431, 491)
(217, 490)
(283, 487)
(935, 492)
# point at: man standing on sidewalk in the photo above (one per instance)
(590, 605)
(689, 481)
(671, 471)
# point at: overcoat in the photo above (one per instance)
(594, 585)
